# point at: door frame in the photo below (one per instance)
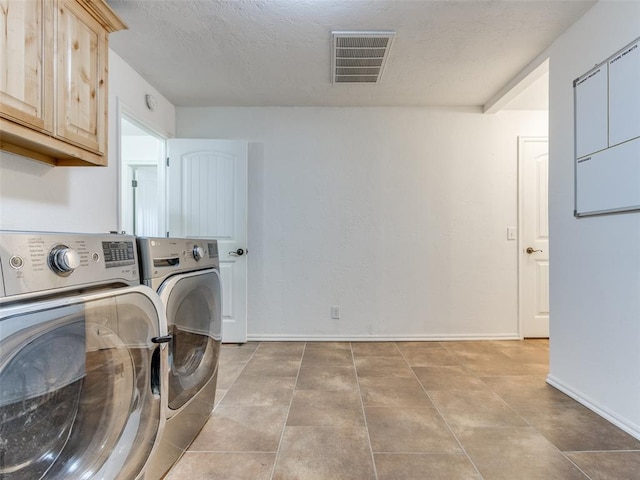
(124, 112)
(521, 220)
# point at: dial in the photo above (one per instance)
(198, 252)
(63, 260)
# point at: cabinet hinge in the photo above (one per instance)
(167, 234)
(167, 161)
(134, 183)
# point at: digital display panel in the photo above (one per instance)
(117, 254)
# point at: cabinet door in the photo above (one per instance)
(82, 76)
(26, 62)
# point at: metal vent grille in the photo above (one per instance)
(360, 57)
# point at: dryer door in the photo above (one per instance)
(79, 391)
(194, 318)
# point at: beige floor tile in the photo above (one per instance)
(323, 453)
(576, 428)
(474, 408)
(482, 391)
(375, 349)
(522, 390)
(228, 372)
(329, 345)
(393, 392)
(608, 465)
(255, 391)
(234, 428)
(327, 357)
(220, 392)
(470, 346)
(272, 367)
(236, 354)
(382, 367)
(429, 357)
(394, 466)
(448, 378)
(527, 354)
(409, 430)
(542, 343)
(424, 344)
(280, 349)
(503, 365)
(516, 453)
(326, 408)
(327, 378)
(223, 466)
(502, 358)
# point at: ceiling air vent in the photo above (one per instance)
(359, 57)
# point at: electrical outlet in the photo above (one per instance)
(335, 312)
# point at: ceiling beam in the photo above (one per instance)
(518, 84)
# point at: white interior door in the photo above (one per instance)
(533, 157)
(146, 211)
(207, 198)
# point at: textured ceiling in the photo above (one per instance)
(278, 52)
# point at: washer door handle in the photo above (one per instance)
(162, 339)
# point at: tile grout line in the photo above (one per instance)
(439, 412)
(364, 415)
(234, 380)
(286, 418)
(527, 421)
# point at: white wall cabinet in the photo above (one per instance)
(53, 79)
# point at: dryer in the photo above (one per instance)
(82, 348)
(186, 275)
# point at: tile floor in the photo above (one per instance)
(397, 411)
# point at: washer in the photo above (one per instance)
(81, 355)
(186, 275)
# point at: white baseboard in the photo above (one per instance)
(377, 338)
(622, 423)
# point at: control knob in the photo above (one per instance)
(198, 252)
(63, 260)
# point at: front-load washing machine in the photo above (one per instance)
(186, 275)
(81, 355)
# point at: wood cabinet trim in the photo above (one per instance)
(103, 14)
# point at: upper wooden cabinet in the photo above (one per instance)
(53, 79)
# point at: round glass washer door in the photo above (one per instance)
(77, 394)
(194, 318)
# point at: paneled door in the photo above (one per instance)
(533, 153)
(207, 198)
(146, 210)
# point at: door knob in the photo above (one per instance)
(531, 250)
(238, 253)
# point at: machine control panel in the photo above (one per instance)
(118, 253)
(63, 260)
(198, 252)
(162, 257)
(38, 261)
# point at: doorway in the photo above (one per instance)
(142, 179)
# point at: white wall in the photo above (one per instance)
(36, 196)
(398, 216)
(595, 261)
